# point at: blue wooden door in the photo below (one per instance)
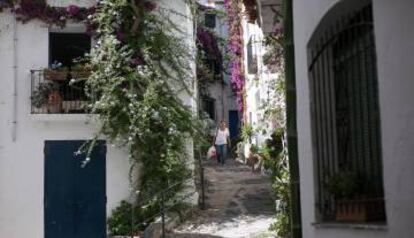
(233, 124)
(75, 195)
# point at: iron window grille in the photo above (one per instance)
(345, 120)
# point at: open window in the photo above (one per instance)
(52, 91)
(66, 47)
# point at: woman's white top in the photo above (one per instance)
(221, 136)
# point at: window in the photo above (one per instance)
(65, 47)
(251, 58)
(51, 91)
(210, 20)
(345, 121)
(209, 106)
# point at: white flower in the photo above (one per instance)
(156, 116)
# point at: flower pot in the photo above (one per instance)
(359, 210)
(58, 75)
(80, 74)
(54, 103)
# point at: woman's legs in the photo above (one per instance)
(224, 155)
(219, 153)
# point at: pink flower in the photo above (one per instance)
(73, 10)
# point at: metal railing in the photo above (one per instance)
(185, 189)
(52, 93)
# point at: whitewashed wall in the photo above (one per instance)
(395, 49)
(22, 159)
(257, 85)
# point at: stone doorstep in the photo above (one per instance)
(173, 219)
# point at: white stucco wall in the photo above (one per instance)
(224, 98)
(394, 41)
(257, 84)
(22, 160)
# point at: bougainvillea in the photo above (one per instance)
(273, 57)
(208, 43)
(27, 10)
(235, 47)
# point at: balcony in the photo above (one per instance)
(52, 92)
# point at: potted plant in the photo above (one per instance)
(80, 71)
(351, 202)
(56, 72)
(246, 132)
(47, 96)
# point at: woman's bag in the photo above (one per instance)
(211, 153)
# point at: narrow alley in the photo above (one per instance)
(239, 203)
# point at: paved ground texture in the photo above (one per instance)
(239, 203)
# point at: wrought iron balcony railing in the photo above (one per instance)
(52, 92)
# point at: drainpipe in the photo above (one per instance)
(291, 120)
(14, 116)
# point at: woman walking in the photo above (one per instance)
(222, 141)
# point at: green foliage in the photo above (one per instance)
(278, 164)
(344, 184)
(139, 66)
(120, 221)
(246, 131)
(254, 149)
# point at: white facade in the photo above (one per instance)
(258, 86)
(394, 37)
(22, 134)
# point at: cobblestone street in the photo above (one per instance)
(238, 204)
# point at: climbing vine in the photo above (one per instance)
(274, 111)
(235, 46)
(277, 156)
(140, 65)
(210, 50)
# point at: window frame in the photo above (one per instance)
(325, 102)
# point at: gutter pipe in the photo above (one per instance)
(292, 136)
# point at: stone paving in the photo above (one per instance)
(239, 203)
